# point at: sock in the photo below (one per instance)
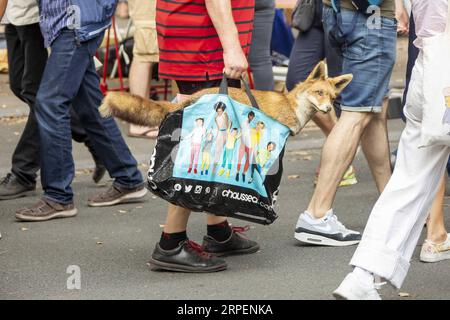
(364, 276)
(219, 232)
(314, 219)
(170, 241)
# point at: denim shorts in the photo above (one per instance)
(369, 54)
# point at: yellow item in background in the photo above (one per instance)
(3, 61)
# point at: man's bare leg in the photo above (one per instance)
(177, 219)
(375, 145)
(140, 76)
(337, 154)
(325, 122)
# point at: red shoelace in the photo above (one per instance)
(198, 248)
(240, 229)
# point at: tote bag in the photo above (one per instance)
(220, 156)
(436, 89)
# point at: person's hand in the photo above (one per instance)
(235, 63)
(402, 20)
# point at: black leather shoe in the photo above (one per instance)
(99, 173)
(11, 188)
(187, 257)
(236, 244)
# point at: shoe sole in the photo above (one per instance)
(156, 265)
(440, 257)
(339, 296)
(128, 198)
(236, 252)
(19, 195)
(323, 241)
(56, 215)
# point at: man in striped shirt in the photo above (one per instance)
(73, 30)
(198, 41)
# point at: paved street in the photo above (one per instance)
(112, 245)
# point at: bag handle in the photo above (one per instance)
(224, 90)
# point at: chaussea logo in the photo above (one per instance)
(239, 196)
(225, 193)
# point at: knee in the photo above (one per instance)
(355, 121)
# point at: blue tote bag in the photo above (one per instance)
(220, 156)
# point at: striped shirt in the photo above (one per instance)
(54, 16)
(190, 48)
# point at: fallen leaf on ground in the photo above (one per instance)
(293, 176)
(299, 153)
(99, 242)
(404, 294)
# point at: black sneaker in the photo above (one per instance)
(187, 257)
(11, 188)
(236, 244)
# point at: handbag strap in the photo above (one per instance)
(224, 90)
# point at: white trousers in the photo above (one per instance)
(398, 217)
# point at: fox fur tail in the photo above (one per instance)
(135, 109)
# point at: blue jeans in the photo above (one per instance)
(70, 79)
(369, 54)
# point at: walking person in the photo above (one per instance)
(369, 54)
(27, 57)
(70, 79)
(211, 26)
(398, 217)
(310, 47)
(437, 243)
(145, 55)
(259, 57)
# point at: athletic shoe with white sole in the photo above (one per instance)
(115, 195)
(327, 231)
(353, 289)
(432, 252)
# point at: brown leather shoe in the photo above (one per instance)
(115, 195)
(46, 209)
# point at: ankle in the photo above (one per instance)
(364, 276)
(219, 232)
(317, 215)
(170, 241)
(438, 238)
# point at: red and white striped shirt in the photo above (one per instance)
(189, 46)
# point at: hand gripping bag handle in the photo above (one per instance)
(224, 90)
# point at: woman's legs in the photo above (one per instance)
(436, 232)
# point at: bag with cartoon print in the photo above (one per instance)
(220, 156)
(436, 89)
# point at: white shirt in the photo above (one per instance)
(245, 129)
(430, 18)
(22, 12)
(197, 135)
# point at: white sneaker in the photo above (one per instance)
(353, 289)
(327, 231)
(432, 252)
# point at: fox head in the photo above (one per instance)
(318, 90)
